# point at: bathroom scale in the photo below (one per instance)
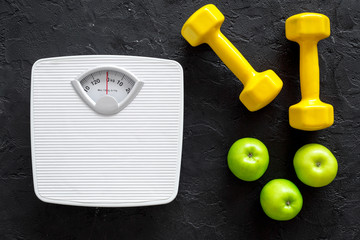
(106, 131)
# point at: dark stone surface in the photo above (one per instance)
(212, 203)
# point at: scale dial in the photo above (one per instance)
(107, 90)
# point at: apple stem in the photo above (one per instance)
(288, 203)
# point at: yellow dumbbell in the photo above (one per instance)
(307, 29)
(204, 27)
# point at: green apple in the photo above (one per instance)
(248, 159)
(281, 199)
(315, 165)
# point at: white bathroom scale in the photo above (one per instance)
(106, 131)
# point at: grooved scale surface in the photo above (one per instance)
(128, 159)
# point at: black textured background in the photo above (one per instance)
(212, 203)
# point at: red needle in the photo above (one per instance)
(107, 81)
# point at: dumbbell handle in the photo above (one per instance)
(309, 70)
(232, 58)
